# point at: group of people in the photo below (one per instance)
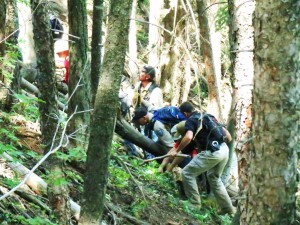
(206, 145)
(196, 134)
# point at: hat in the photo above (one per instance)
(139, 113)
(178, 130)
(149, 70)
(61, 46)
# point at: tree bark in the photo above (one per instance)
(173, 55)
(79, 74)
(58, 195)
(276, 104)
(155, 40)
(106, 108)
(96, 46)
(214, 105)
(132, 49)
(2, 35)
(127, 132)
(241, 46)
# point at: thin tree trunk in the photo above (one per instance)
(96, 46)
(2, 35)
(106, 108)
(132, 50)
(241, 46)
(214, 105)
(58, 195)
(154, 45)
(79, 77)
(276, 104)
(172, 72)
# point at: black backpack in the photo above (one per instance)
(57, 26)
(210, 132)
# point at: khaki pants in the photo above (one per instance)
(213, 163)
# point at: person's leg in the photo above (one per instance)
(214, 179)
(204, 161)
(174, 163)
(163, 164)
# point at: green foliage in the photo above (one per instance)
(27, 106)
(142, 37)
(39, 221)
(57, 178)
(74, 154)
(9, 61)
(138, 208)
(221, 19)
(19, 219)
(203, 90)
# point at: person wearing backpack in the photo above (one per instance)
(142, 117)
(148, 93)
(212, 158)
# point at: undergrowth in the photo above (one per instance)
(136, 188)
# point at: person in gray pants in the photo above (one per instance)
(212, 158)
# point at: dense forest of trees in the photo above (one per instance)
(238, 60)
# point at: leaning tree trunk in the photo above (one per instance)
(241, 48)
(276, 103)
(128, 132)
(106, 108)
(58, 195)
(214, 105)
(79, 77)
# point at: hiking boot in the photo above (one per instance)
(190, 205)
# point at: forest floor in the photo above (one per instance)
(136, 192)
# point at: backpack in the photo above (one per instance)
(210, 132)
(167, 115)
(56, 25)
(150, 89)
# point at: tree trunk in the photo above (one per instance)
(106, 108)
(127, 132)
(132, 50)
(154, 36)
(58, 195)
(2, 35)
(172, 71)
(96, 46)
(241, 46)
(79, 77)
(276, 103)
(214, 105)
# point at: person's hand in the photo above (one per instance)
(172, 152)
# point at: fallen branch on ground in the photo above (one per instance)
(164, 156)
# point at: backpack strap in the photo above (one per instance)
(200, 120)
(152, 86)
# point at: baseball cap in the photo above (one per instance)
(149, 70)
(139, 113)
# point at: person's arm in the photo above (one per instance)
(163, 134)
(188, 137)
(227, 137)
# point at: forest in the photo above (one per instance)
(74, 147)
